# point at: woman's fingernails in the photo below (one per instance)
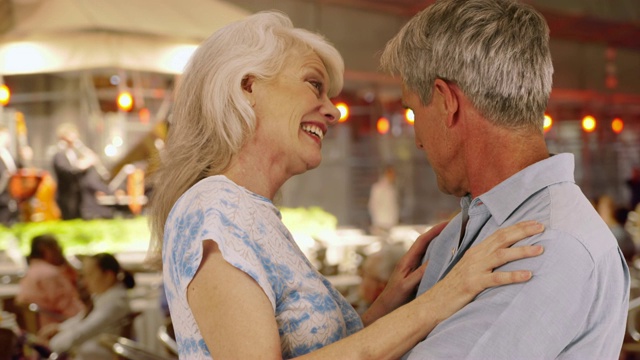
(534, 225)
(526, 275)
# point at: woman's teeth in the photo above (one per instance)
(314, 130)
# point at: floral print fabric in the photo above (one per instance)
(251, 236)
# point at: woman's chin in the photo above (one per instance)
(314, 163)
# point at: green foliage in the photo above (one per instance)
(83, 237)
(132, 235)
(312, 221)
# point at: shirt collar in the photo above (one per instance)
(507, 196)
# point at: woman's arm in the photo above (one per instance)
(234, 315)
(236, 318)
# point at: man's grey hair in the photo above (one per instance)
(495, 51)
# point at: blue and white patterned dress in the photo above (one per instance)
(249, 231)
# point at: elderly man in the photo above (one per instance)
(477, 74)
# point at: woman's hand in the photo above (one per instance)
(405, 278)
(474, 272)
(410, 323)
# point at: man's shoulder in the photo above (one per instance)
(572, 214)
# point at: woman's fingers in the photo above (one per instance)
(475, 269)
(414, 255)
(474, 272)
(508, 277)
(423, 240)
(408, 273)
(503, 256)
(414, 278)
(496, 250)
(508, 236)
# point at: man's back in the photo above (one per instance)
(576, 304)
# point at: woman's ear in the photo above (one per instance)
(247, 89)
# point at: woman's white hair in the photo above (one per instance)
(211, 117)
(496, 51)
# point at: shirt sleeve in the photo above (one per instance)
(538, 318)
(77, 330)
(192, 222)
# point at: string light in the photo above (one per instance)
(617, 125)
(125, 101)
(5, 94)
(344, 111)
(383, 125)
(409, 116)
(589, 123)
(548, 122)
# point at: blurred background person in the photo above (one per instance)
(383, 205)
(375, 271)
(50, 282)
(615, 217)
(8, 167)
(69, 170)
(634, 187)
(110, 314)
(81, 178)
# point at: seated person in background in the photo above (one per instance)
(108, 283)
(50, 282)
(375, 272)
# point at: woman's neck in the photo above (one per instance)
(257, 172)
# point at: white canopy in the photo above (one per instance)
(146, 35)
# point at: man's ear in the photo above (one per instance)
(450, 103)
(247, 89)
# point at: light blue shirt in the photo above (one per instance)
(574, 307)
(248, 229)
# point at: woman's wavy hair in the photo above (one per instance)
(496, 51)
(211, 117)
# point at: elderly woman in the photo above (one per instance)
(108, 283)
(250, 112)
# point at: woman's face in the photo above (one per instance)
(97, 281)
(293, 113)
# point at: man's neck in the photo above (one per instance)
(500, 154)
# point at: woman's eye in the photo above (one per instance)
(316, 84)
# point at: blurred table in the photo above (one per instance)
(10, 270)
(8, 291)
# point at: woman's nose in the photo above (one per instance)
(330, 111)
